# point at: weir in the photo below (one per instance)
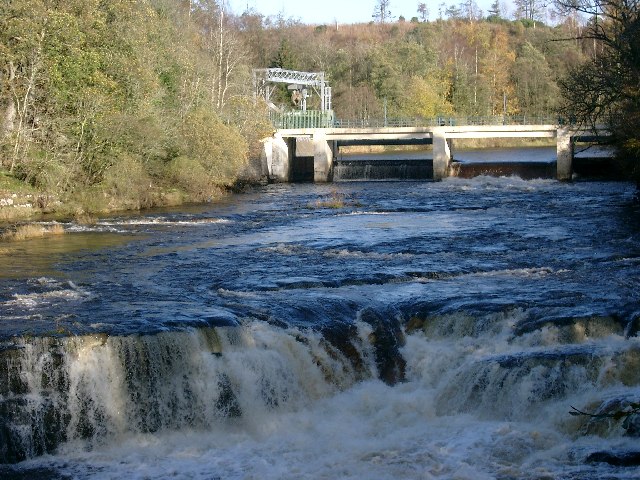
(309, 154)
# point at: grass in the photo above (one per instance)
(16, 199)
(335, 200)
(32, 230)
(9, 183)
(14, 214)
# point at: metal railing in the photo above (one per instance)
(302, 119)
(317, 119)
(450, 121)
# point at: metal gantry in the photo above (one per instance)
(265, 78)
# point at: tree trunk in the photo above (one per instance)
(23, 101)
(8, 108)
(8, 118)
(220, 53)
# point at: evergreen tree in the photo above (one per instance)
(495, 11)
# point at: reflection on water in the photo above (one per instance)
(38, 256)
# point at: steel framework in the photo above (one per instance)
(263, 78)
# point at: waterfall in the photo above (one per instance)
(95, 388)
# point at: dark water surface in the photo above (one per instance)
(471, 314)
(480, 245)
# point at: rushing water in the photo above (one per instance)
(419, 330)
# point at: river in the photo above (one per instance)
(379, 330)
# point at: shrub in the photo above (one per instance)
(190, 175)
(128, 185)
(219, 148)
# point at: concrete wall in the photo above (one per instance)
(304, 146)
(280, 165)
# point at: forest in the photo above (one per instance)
(120, 104)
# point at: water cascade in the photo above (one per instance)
(96, 388)
(380, 169)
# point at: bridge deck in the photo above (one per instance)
(399, 133)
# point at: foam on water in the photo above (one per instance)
(125, 225)
(51, 292)
(164, 221)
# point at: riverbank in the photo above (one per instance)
(21, 202)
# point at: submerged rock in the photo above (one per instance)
(618, 459)
(387, 338)
(16, 473)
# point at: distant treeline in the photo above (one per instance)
(425, 69)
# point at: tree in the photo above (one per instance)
(497, 64)
(531, 10)
(495, 11)
(535, 90)
(286, 56)
(604, 89)
(24, 28)
(424, 97)
(470, 10)
(97, 99)
(222, 45)
(454, 12)
(381, 12)
(423, 10)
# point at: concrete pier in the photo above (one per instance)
(276, 153)
(564, 154)
(441, 154)
(323, 155)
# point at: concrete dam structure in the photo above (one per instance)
(312, 154)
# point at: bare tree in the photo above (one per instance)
(23, 94)
(225, 51)
(381, 12)
(470, 10)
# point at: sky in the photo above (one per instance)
(344, 11)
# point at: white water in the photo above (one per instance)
(459, 415)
